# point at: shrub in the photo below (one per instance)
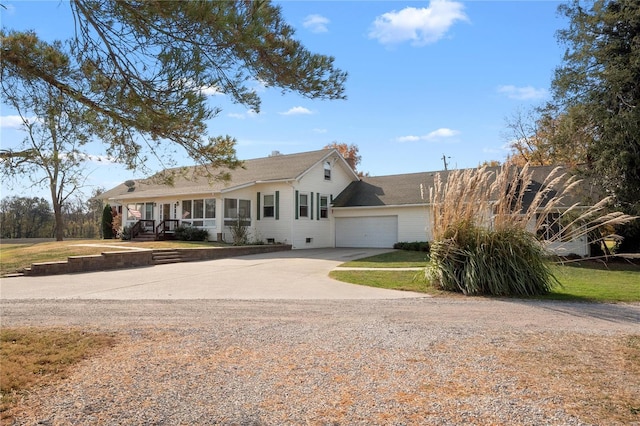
(239, 232)
(630, 238)
(126, 233)
(413, 246)
(191, 233)
(107, 223)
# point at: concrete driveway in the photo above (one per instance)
(297, 274)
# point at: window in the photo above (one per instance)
(200, 212)
(268, 206)
(235, 209)
(140, 211)
(186, 209)
(327, 170)
(324, 207)
(550, 227)
(148, 211)
(303, 205)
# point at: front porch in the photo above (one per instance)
(147, 230)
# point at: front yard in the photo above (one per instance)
(590, 281)
(15, 257)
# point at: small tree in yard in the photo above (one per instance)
(239, 232)
(484, 241)
(107, 223)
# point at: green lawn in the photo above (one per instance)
(583, 281)
(394, 280)
(591, 282)
(392, 259)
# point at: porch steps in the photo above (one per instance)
(162, 257)
(145, 236)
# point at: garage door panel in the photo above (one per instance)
(367, 231)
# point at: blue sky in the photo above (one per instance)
(426, 79)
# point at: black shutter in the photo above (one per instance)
(258, 210)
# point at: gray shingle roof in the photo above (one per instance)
(191, 180)
(395, 190)
(384, 191)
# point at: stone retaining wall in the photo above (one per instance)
(138, 258)
(210, 253)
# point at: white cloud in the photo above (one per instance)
(316, 23)
(297, 111)
(211, 91)
(522, 93)
(11, 121)
(319, 131)
(419, 26)
(409, 138)
(241, 116)
(436, 135)
(441, 133)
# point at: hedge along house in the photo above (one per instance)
(309, 200)
(281, 199)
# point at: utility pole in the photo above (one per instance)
(444, 159)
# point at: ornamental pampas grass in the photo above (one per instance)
(485, 224)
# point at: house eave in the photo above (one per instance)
(389, 206)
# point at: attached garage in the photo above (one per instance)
(367, 231)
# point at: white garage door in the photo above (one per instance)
(373, 231)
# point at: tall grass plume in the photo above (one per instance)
(491, 228)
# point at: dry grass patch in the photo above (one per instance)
(16, 257)
(595, 378)
(37, 356)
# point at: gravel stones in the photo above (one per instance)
(406, 362)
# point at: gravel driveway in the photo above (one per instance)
(433, 361)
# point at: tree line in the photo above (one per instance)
(33, 217)
(592, 124)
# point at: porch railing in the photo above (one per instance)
(166, 227)
(141, 226)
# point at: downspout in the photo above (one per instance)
(293, 217)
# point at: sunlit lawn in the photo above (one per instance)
(584, 281)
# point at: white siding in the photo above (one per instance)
(577, 246)
(271, 228)
(316, 233)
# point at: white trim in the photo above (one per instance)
(321, 161)
(389, 206)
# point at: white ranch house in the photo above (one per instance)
(309, 200)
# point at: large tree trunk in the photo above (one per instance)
(57, 214)
(59, 225)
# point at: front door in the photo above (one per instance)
(165, 212)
